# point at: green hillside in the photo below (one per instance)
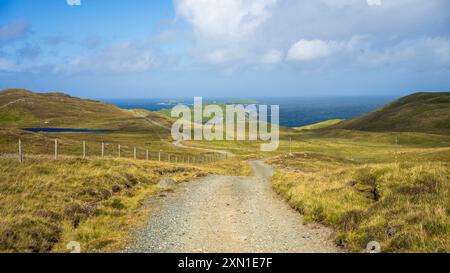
(130, 128)
(419, 112)
(21, 108)
(320, 125)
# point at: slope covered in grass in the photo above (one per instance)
(319, 125)
(21, 108)
(46, 204)
(420, 112)
(404, 206)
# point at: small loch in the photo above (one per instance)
(65, 130)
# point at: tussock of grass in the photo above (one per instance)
(403, 206)
(46, 204)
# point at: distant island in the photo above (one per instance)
(241, 102)
(168, 102)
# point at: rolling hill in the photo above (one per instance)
(22, 108)
(319, 125)
(419, 112)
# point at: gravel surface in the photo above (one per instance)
(228, 214)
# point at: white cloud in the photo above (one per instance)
(258, 32)
(73, 2)
(419, 54)
(272, 57)
(123, 57)
(10, 65)
(224, 29)
(305, 50)
(220, 56)
(236, 34)
(374, 2)
(224, 18)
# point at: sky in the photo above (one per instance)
(225, 48)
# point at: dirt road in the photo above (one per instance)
(228, 214)
(179, 144)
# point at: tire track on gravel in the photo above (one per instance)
(227, 214)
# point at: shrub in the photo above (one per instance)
(117, 204)
(351, 219)
(436, 227)
(27, 234)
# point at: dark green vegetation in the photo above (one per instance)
(420, 112)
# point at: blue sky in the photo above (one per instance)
(221, 48)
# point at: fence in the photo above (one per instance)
(103, 150)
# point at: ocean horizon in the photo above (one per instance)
(294, 111)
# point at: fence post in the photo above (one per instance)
(135, 156)
(176, 159)
(118, 149)
(84, 149)
(20, 151)
(56, 149)
(146, 155)
(168, 156)
(159, 155)
(103, 150)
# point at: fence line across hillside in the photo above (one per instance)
(84, 153)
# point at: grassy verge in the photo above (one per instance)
(46, 204)
(404, 206)
(320, 125)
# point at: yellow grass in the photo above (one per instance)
(404, 206)
(46, 204)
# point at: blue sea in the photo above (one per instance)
(293, 111)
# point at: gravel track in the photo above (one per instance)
(224, 214)
(179, 144)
